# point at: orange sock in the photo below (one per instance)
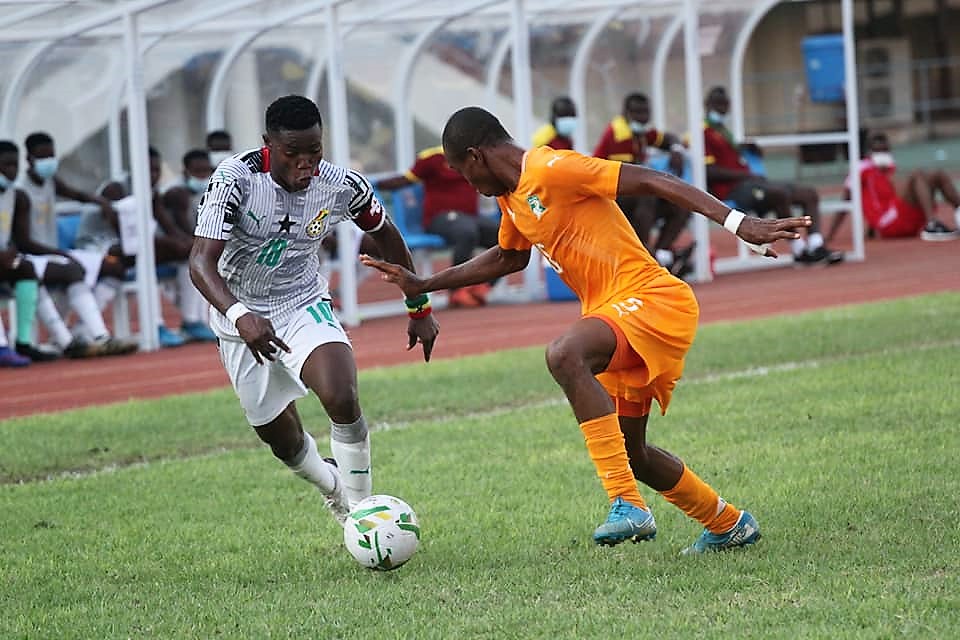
(605, 444)
(698, 500)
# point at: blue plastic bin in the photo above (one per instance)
(823, 60)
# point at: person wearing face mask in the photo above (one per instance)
(901, 209)
(220, 146)
(55, 269)
(558, 133)
(182, 201)
(626, 139)
(729, 178)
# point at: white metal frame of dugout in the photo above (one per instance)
(138, 25)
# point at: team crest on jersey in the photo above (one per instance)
(315, 226)
(536, 206)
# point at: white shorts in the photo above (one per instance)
(89, 260)
(266, 389)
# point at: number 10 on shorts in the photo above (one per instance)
(323, 314)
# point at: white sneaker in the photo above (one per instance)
(336, 501)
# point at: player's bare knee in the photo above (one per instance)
(340, 402)
(562, 359)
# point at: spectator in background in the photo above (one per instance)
(220, 146)
(558, 133)
(626, 139)
(729, 178)
(182, 200)
(53, 268)
(901, 209)
(450, 210)
(42, 186)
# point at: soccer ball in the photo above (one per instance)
(381, 532)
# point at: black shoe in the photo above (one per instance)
(79, 349)
(821, 254)
(36, 354)
(936, 231)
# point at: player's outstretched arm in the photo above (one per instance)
(255, 330)
(489, 265)
(756, 232)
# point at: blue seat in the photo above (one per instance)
(661, 162)
(406, 207)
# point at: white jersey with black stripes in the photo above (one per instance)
(271, 260)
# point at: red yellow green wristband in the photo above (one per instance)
(418, 307)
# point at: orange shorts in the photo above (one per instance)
(655, 327)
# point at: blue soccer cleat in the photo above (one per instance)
(745, 532)
(625, 522)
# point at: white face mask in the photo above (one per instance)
(5, 182)
(197, 185)
(716, 117)
(216, 157)
(638, 127)
(566, 125)
(882, 159)
(46, 167)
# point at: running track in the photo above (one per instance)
(892, 269)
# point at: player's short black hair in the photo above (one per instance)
(195, 154)
(152, 152)
(292, 113)
(472, 127)
(219, 134)
(635, 97)
(36, 139)
(8, 146)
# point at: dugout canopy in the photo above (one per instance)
(386, 74)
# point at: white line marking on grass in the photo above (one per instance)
(710, 378)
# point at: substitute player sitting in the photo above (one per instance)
(256, 259)
(638, 320)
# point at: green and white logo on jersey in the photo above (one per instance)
(536, 206)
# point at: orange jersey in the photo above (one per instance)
(564, 205)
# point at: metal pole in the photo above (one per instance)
(338, 127)
(853, 125)
(659, 73)
(694, 84)
(523, 105)
(737, 126)
(139, 163)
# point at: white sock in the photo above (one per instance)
(192, 303)
(311, 467)
(51, 319)
(798, 246)
(106, 291)
(350, 444)
(664, 257)
(814, 240)
(83, 302)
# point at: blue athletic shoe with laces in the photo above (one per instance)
(745, 532)
(625, 522)
(168, 338)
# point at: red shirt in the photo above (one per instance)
(722, 152)
(443, 188)
(618, 142)
(879, 194)
(547, 136)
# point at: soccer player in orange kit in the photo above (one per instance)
(638, 321)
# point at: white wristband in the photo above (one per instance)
(676, 147)
(732, 222)
(234, 313)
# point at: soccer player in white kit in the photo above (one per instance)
(256, 260)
